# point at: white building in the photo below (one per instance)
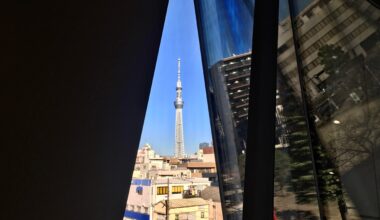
(145, 193)
(206, 154)
(147, 160)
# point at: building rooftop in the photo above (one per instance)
(208, 150)
(156, 158)
(211, 192)
(181, 180)
(174, 161)
(180, 203)
(200, 165)
(237, 56)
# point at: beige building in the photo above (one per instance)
(182, 209)
(145, 193)
(155, 178)
(212, 196)
(206, 154)
(178, 187)
(177, 172)
(201, 167)
(147, 160)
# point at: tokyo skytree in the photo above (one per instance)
(178, 104)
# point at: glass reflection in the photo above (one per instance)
(225, 30)
(295, 194)
(338, 46)
(328, 107)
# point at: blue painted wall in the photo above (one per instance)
(136, 215)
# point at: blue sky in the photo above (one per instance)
(179, 39)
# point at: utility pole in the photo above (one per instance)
(167, 202)
(214, 207)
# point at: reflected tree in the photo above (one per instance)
(357, 139)
(298, 160)
(333, 58)
(281, 170)
(241, 164)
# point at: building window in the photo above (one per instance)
(283, 48)
(162, 190)
(299, 23)
(202, 214)
(139, 190)
(177, 189)
(176, 216)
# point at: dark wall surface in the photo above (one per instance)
(75, 81)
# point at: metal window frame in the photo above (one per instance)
(259, 185)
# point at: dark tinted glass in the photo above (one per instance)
(337, 56)
(295, 194)
(225, 30)
(327, 111)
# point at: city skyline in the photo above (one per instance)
(179, 39)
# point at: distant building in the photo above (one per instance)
(182, 209)
(180, 172)
(201, 167)
(212, 195)
(147, 160)
(144, 193)
(204, 144)
(139, 200)
(206, 154)
(155, 177)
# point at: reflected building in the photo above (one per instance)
(225, 29)
(337, 43)
(328, 105)
(225, 32)
(351, 25)
(229, 81)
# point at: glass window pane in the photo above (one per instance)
(341, 75)
(225, 29)
(295, 194)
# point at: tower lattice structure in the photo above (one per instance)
(178, 104)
